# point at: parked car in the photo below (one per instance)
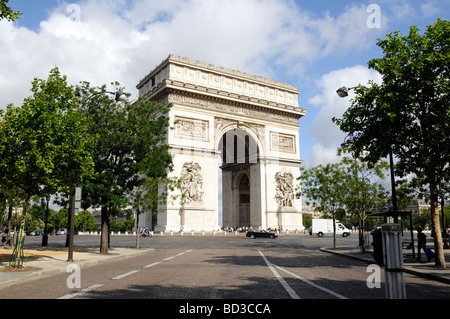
(62, 232)
(36, 232)
(261, 233)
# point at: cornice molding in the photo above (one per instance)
(209, 80)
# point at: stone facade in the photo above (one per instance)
(228, 126)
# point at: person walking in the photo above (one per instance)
(421, 242)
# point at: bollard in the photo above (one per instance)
(393, 261)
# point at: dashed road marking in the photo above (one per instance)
(80, 292)
(125, 274)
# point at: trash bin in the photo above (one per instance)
(377, 246)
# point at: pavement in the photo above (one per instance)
(423, 268)
(43, 261)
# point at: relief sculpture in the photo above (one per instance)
(191, 183)
(284, 188)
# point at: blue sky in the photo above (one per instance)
(317, 46)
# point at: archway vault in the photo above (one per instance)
(230, 129)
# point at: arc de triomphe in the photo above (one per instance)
(235, 144)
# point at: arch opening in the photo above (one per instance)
(239, 152)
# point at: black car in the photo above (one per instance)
(261, 233)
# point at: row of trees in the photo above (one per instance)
(84, 221)
(66, 135)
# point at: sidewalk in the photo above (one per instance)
(422, 268)
(43, 261)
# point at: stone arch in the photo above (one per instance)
(255, 133)
(208, 104)
(241, 191)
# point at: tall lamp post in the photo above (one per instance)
(119, 97)
(45, 235)
(343, 92)
(391, 239)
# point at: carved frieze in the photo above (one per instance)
(282, 142)
(241, 109)
(192, 129)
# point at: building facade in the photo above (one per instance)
(235, 147)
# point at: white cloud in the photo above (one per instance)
(430, 8)
(327, 134)
(123, 40)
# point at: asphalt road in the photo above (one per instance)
(222, 267)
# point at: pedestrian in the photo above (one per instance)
(4, 234)
(421, 242)
(448, 234)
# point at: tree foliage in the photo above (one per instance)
(44, 145)
(7, 13)
(129, 147)
(349, 185)
(408, 114)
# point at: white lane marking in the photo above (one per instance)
(125, 275)
(80, 292)
(151, 265)
(165, 259)
(313, 284)
(288, 288)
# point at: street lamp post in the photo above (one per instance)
(45, 235)
(119, 97)
(343, 92)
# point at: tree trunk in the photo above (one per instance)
(438, 244)
(104, 231)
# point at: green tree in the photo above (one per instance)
(127, 135)
(363, 189)
(7, 13)
(324, 184)
(44, 145)
(84, 221)
(61, 220)
(408, 113)
(347, 186)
